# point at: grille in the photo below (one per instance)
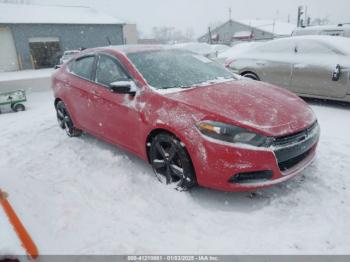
(285, 165)
(294, 138)
(291, 150)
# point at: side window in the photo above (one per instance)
(313, 47)
(82, 67)
(108, 71)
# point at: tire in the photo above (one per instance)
(171, 163)
(65, 121)
(18, 108)
(251, 76)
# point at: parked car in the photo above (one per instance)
(68, 55)
(332, 30)
(312, 66)
(192, 119)
(207, 50)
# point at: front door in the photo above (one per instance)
(274, 62)
(118, 114)
(313, 68)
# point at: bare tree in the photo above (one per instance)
(320, 21)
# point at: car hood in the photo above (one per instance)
(254, 105)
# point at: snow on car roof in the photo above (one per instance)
(137, 48)
(42, 14)
(339, 42)
(272, 26)
(324, 27)
(238, 49)
(202, 48)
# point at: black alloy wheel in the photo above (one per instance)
(171, 163)
(65, 121)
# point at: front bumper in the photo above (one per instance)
(225, 162)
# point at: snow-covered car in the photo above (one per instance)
(210, 51)
(237, 49)
(332, 30)
(311, 66)
(193, 120)
(68, 55)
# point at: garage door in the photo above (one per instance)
(8, 55)
(45, 51)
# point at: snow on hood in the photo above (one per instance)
(258, 106)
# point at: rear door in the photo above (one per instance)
(313, 68)
(80, 97)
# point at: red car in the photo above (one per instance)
(192, 119)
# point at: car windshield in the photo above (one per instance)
(176, 68)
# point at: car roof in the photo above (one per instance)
(345, 26)
(321, 38)
(127, 49)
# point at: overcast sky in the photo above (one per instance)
(198, 14)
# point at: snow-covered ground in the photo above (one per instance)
(25, 74)
(82, 195)
(29, 80)
(9, 241)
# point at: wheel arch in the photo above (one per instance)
(154, 132)
(57, 99)
(162, 130)
(244, 72)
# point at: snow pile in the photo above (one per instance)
(84, 196)
(25, 74)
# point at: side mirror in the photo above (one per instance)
(123, 87)
(336, 73)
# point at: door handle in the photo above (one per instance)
(300, 66)
(261, 63)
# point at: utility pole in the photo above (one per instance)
(230, 14)
(306, 17)
(209, 34)
(300, 13)
(308, 23)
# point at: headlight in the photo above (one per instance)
(232, 134)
